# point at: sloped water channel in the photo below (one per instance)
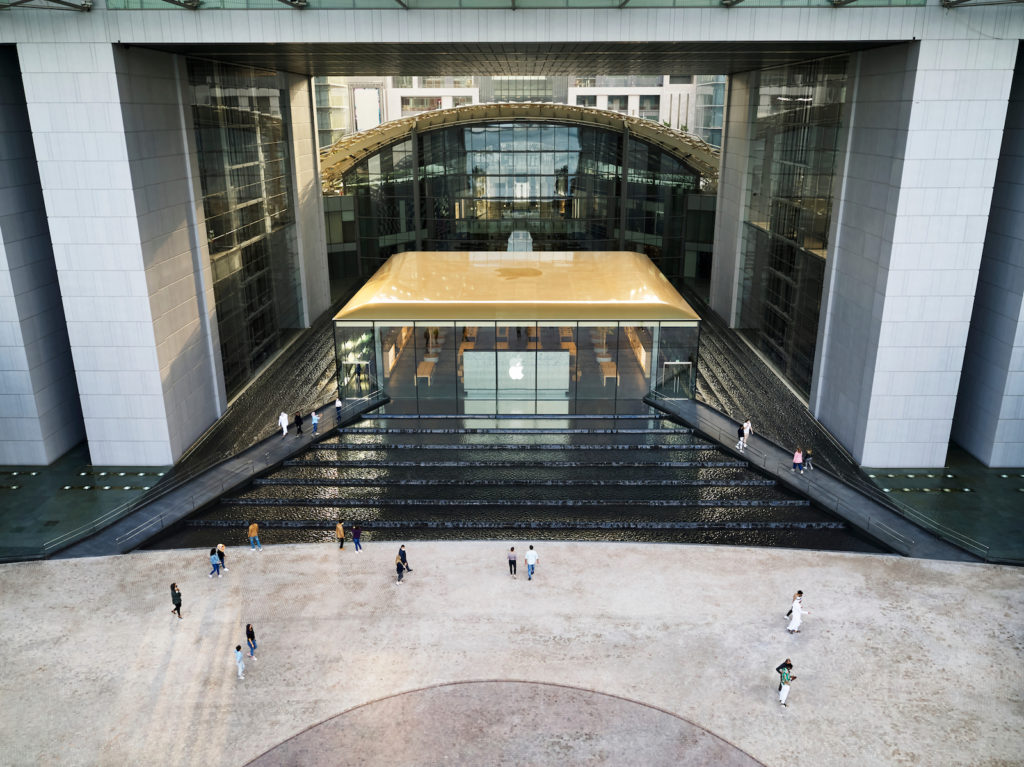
(635, 478)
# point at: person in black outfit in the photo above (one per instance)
(176, 599)
(404, 561)
(787, 664)
(298, 424)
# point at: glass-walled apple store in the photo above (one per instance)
(517, 367)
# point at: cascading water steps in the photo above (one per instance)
(636, 477)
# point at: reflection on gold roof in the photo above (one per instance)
(498, 285)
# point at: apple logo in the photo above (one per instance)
(515, 369)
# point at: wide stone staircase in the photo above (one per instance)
(638, 477)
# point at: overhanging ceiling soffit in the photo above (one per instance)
(346, 153)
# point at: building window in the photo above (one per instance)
(414, 105)
(401, 82)
(585, 82)
(680, 79)
(586, 101)
(650, 107)
(461, 101)
(618, 104)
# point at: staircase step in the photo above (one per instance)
(333, 482)
(728, 463)
(582, 524)
(475, 502)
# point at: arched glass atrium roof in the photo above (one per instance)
(691, 150)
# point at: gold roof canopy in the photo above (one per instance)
(419, 286)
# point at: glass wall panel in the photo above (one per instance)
(596, 367)
(396, 353)
(636, 346)
(516, 375)
(356, 359)
(676, 354)
(477, 368)
(436, 368)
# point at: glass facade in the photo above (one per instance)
(710, 112)
(516, 367)
(242, 149)
(796, 126)
(572, 187)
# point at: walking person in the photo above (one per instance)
(400, 567)
(298, 424)
(339, 533)
(798, 461)
(785, 671)
(798, 613)
(531, 562)
(254, 537)
(221, 551)
(739, 438)
(315, 418)
(748, 429)
(282, 421)
(797, 597)
(401, 556)
(176, 600)
(512, 561)
(250, 640)
(215, 561)
(357, 533)
(240, 660)
(808, 460)
(337, 410)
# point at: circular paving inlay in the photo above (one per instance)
(505, 723)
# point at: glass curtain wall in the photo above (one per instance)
(561, 183)
(241, 128)
(794, 148)
(517, 367)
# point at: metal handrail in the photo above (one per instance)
(163, 488)
(346, 408)
(970, 544)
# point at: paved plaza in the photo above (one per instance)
(637, 654)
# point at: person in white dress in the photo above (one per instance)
(797, 616)
(282, 421)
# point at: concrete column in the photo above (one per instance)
(40, 418)
(926, 123)
(989, 420)
(731, 206)
(107, 128)
(310, 232)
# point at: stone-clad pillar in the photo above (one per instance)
(40, 418)
(989, 418)
(109, 139)
(910, 216)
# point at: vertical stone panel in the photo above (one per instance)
(989, 419)
(40, 417)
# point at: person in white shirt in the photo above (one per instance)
(531, 562)
(282, 421)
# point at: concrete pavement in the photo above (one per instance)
(900, 661)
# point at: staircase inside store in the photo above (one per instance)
(634, 477)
